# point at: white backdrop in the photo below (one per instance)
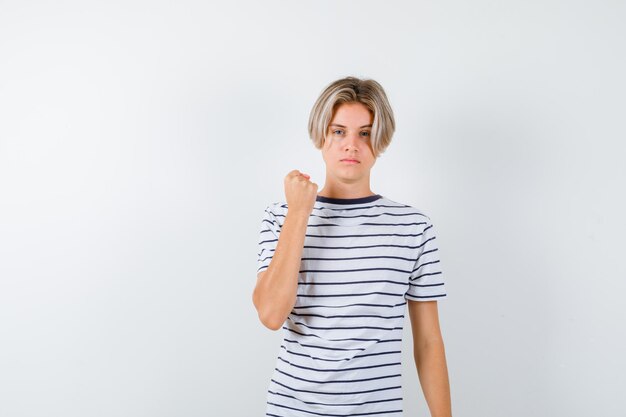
(140, 142)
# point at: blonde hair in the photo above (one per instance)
(350, 90)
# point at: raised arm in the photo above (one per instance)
(276, 289)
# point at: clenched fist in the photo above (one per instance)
(300, 192)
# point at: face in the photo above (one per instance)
(349, 137)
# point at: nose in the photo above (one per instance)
(352, 141)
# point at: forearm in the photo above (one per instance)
(430, 360)
(275, 294)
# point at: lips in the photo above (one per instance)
(350, 160)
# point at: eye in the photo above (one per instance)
(337, 130)
(367, 134)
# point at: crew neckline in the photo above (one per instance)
(358, 200)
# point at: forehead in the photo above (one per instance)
(352, 114)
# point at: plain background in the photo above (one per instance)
(140, 143)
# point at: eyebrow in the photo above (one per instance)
(335, 124)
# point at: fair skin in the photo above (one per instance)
(348, 136)
(276, 288)
(430, 357)
(275, 293)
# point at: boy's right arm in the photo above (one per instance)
(276, 289)
(275, 293)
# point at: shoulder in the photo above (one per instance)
(275, 206)
(412, 210)
(277, 209)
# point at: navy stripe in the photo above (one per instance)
(349, 295)
(324, 347)
(426, 285)
(366, 235)
(354, 305)
(355, 270)
(353, 282)
(347, 316)
(426, 275)
(338, 381)
(327, 247)
(339, 340)
(337, 404)
(425, 296)
(346, 327)
(364, 216)
(339, 370)
(391, 352)
(426, 263)
(356, 257)
(268, 241)
(366, 224)
(340, 392)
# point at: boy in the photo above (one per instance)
(337, 267)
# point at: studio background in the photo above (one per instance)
(140, 143)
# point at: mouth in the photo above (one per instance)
(350, 161)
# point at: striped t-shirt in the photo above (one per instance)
(363, 258)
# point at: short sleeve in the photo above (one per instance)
(268, 238)
(426, 282)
